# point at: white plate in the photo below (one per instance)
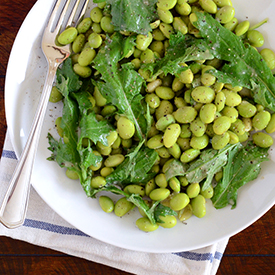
(24, 82)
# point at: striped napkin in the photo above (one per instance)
(43, 227)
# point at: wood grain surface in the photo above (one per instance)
(251, 251)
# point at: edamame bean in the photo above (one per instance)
(208, 5)
(232, 99)
(114, 160)
(106, 24)
(95, 40)
(166, 29)
(78, 43)
(221, 125)
(167, 221)
(184, 143)
(160, 180)
(84, 25)
(193, 190)
(208, 193)
(174, 184)
(55, 95)
(199, 142)
(207, 113)
(150, 186)
(165, 108)
(220, 141)
(270, 128)
(246, 109)
(230, 112)
(67, 36)
(122, 207)
(97, 182)
(153, 100)
(198, 206)
(197, 127)
(185, 114)
(232, 24)
(165, 16)
(183, 9)
(179, 25)
(159, 194)
(171, 135)
(175, 151)
(106, 204)
(261, 120)
(234, 138)
(143, 41)
(83, 71)
(135, 189)
(86, 57)
(166, 5)
(179, 201)
(189, 155)
(225, 14)
(125, 128)
(164, 92)
(106, 171)
(203, 94)
(98, 165)
(255, 38)
(145, 225)
(164, 122)
(155, 142)
(185, 213)
(242, 28)
(186, 76)
(72, 174)
(262, 139)
(222, 3)
(269, 57)
(96, 14)
(220, 101)
(163, 152)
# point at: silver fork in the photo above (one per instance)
(14, 207)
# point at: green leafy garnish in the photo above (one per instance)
(134, 16)
(243, 166)
(122, 85)
(244, 65)
(181, 49)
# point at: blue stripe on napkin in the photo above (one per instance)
(64, 230)
(200, 256)
(8, 154)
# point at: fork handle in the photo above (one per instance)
(14, 207)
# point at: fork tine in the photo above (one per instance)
(53, 15)
(62, 17)
(82, 12)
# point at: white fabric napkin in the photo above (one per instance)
(43, 227)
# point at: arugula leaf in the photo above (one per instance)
(243, 166)
(181, 49)
(244, 65)
(122, 85)
(163, 211)
(134, 16)
(210, 162)
(135, 168)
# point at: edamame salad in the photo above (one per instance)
(166, 103)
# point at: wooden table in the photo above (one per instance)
(250, 252)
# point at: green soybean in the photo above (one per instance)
(225, 14)
(209, 6)
(159, 194)
(185, 213)
(83, 71)
(269, 57)
(143, 41)
(125, 128)
(106, 24)
(72, 174)
(167, 221)
(67, 36)
(242, 28)
(199, 142)
(55, 95)
(174, 184)
(79, 43)
(255, 38)
(270, 128)
(189, 155)
(261, 120)
(165, 16)
(155, 142)
(122, 207)
(203, 94)
(86, 57)
(220, 141)
(97, 182)
(145, 225)
(185, 114)
(164, 92)
(171, 135)
(207, 113)
(246, 109)
(179, 201)
(262, 139)
(106, 204)
(96, 14)
(221, 125)
(114, 160)
(198, 206)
